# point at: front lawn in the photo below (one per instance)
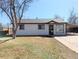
(35, 48)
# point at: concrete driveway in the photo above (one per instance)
(69, 41)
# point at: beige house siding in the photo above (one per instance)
(32, 29)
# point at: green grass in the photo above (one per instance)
(35, 48)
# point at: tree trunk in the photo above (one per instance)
(14, 36)
(14, 33)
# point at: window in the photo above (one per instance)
(60, 28)
(41, 26)
(21, 27)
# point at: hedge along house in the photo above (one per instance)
(41, 27)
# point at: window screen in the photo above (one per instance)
(21, 27)
(41, 26)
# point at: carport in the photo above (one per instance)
(72, 28)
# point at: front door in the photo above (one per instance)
(51, 29)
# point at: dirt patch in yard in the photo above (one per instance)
(35, 48)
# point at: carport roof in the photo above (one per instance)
(72, 25)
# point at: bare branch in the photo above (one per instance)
(7, 14)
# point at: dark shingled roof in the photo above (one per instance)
(42, 20)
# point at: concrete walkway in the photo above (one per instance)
(69, 41)
(4, 38)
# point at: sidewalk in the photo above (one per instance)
(69, 41)
(4, 38)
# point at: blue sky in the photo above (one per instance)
(47, 9)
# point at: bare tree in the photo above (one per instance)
(57, 16)
(14, 9)
(73, 18)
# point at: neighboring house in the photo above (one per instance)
(41, 27)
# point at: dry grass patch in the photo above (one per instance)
(35, 48)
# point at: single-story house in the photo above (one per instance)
(41, 27)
